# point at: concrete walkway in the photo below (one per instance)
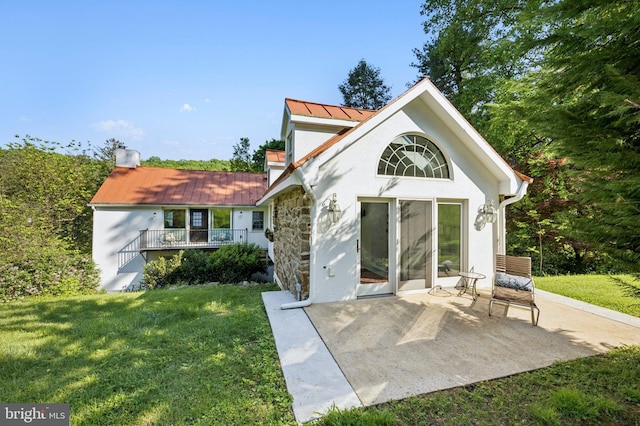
(313, 377)
(394, 347)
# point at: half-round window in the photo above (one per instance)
(413, 156)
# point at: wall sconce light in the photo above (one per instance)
(487, 213)
(333, 209)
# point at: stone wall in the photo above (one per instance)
(291, 245)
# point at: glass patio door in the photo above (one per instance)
(373, 249)
(416, 245)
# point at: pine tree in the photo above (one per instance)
(364, 88)
(587, 100)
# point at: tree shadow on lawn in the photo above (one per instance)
(630, 287)
(172, 357)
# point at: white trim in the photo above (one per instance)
(464, 238)
(324, 121)
(391, 286)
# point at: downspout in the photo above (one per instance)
(312, 261)
(522, 190)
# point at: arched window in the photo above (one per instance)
(413, 156)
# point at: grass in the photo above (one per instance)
(595, 390)
(206, 356)
(612, 292)
(193, 356)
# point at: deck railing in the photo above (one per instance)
(172, 239)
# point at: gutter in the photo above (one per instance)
(522, 190)
(312, 257)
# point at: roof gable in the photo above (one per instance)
(431, 96)
(160, 186)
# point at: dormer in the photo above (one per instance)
(273, 164)
(307, 125)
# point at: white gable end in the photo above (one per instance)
(414, 174)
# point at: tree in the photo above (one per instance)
(107, 152)
(364, 88)
(587, 101)
(535, 78)
(209, 165)
(241, 160)
(469, 50)
(53, 182)
(45, 224)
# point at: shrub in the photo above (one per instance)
(161, 272)
(196, 267)
(237, 262)
(229, 264)
(15, 283)
(49, 272)
(70, 275)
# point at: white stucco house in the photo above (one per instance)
(393, 201)
(361, 203)
(141, 213)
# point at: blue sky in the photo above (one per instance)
(188, 79)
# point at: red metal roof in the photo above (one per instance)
(313, 109)
(159, 186)
(274, 156)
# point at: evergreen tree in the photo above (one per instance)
(364, 88)
(586, 100)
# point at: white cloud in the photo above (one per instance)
(119, 128)
(187, 108)
(207, 100)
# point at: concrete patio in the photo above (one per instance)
(395, 347)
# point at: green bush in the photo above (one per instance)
(229, 264)
(237, 262)
(15, 283)
(49, 272)
(161, 272)
(196, 267)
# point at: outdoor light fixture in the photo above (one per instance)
(487, 213)
(333, 209)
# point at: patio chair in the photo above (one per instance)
(513, 285)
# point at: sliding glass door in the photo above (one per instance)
(416, 243)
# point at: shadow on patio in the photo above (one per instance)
(394, 347)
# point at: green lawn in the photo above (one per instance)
(206, 356)
(193, 356)
(607, 291)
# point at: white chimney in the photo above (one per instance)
(127, 158)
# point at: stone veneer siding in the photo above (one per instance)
(291, 243)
